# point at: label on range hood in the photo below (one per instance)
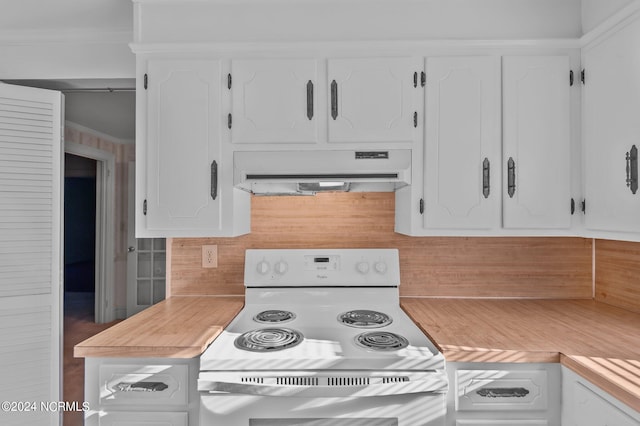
(372, 155)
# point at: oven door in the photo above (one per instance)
(322, 399)
(419, 409)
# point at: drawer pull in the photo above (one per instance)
(503, 392)
(141, 387)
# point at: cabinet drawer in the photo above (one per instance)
(501, 390)
(144, 419)
(143, 384)
(489, 422)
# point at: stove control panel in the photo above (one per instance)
(322, 267)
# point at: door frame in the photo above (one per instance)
(105, 228)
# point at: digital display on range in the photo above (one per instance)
(322, 263)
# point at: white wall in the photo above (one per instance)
(335, 20)
(595, 12)
(66, 59)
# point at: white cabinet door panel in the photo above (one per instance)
(375, 99)
(183, 144)
(611, 128)
(536, 132)
(139, 418)
(270, 101)
(462, 128)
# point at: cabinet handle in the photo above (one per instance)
(141, 387)
(486, 185)
(214, 180)
(503, 392)
(309, 99)
(334, 99)
(511, 177)
(632, 169)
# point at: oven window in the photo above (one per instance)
(361, 421)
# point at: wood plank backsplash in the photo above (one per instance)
(618, 273)
(534, 267)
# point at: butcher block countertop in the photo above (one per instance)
(598, 341)
(179, 327)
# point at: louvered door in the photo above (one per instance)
(30, 251)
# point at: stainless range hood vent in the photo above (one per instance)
(310, 172)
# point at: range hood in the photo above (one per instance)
(309, 172)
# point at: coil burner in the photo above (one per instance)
(274, 316)
(268, 339)
(363, 318)
(381, 341)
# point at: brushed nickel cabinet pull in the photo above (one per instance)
(486, 184)
(511, 177)
(334, 99)
(214, 180)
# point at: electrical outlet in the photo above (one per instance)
(209, 256)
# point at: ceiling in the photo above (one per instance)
(109, 112)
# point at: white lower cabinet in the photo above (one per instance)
(503, 394)
(584, 404)
(141, 391)
(134, 418)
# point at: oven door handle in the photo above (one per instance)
(430, 383)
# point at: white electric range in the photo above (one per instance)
(322, 341)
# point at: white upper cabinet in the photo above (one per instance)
(372, 99)
(536, 142)
(181, 179)
(612, 130)
(183, 149)
(274, 100)
(462, 143)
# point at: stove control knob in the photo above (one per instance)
(362, 267)
(380, 267)
(263, 267)
(281, 267)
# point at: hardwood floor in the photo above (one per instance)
(78, 325)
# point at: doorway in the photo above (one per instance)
(80, 176)
(103, 226)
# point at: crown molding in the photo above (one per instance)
(618, 20)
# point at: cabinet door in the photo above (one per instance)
(611, 128)
(593, 410)
(462, 146)
(141, 418)
(536, 144)
(274, 101)
(183, 146)
(371, 99)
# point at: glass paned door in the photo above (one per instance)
(146, 263)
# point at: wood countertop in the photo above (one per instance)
(598, 341)
(178, 327)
